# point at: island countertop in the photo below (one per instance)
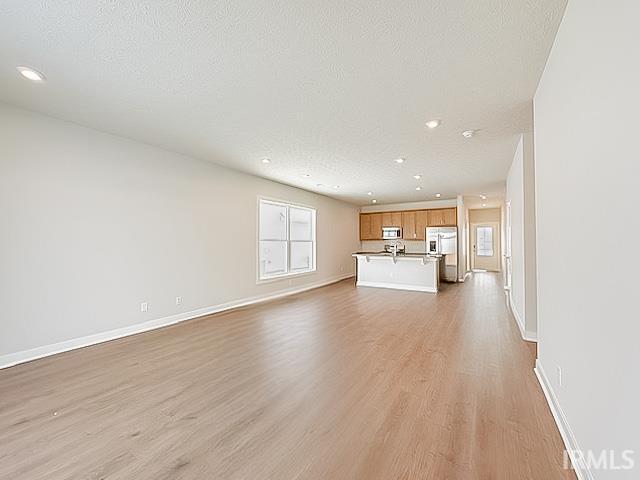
(404, 271)
(399, 255)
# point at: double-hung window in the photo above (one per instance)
(287, 239)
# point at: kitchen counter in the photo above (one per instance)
(405, 271)
(389, 254)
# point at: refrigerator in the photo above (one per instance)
(443, 241)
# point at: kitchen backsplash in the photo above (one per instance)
(412, 246)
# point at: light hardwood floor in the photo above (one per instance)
(335, 383)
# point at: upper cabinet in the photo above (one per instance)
(392, 219)
(450, 217)
(376, 226)
(365, 227)
(421, 224)
(442, 217)
(413, 222)
(409, 225)
(370, 226)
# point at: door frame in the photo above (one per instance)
(508, 267)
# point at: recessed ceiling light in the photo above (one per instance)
(266, 160)
(374, 201)
(438, 195)
(369, 193)
(417, 176)
(418, 188)
(433, 123)
(31, 74)
(399, 160)
(484, 204)
(484, 197)
(336, 186)
(468, 133)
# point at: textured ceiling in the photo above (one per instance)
(328, 88)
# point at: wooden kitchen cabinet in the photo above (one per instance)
(376, 226)
(409, 225)
(412, 222)
(441, 217)
(392, 219)
(421, 224)
(435, 218)
(450, 217)
(365, 227)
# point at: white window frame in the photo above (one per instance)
(288, 273)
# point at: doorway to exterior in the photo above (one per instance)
(485, 239)
(485, 246)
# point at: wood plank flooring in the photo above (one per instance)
(334, 383)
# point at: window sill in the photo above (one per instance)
(285, 276)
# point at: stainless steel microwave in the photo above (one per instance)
(391, 233)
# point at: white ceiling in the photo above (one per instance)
(323, 87)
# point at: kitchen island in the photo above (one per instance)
(404, 271)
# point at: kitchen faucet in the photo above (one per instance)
(395, 248)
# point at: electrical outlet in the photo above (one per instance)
(178, 300)
(144, 306)
(559, 376)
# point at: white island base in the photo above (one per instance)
(404, 272)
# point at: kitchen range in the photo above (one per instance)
(433, 256)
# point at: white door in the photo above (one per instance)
(485, 240)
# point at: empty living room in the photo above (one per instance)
(319, 240)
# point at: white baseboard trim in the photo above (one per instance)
(16, 358)
(569, 439)
(397, 286)
(463, 278)
(527, 336)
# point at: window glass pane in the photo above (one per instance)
(301, 256)
(484, 241)
(273, 221)
(286, 243)
(273, 258)
(300, 224)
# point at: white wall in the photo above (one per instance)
(485, 215)
(521, 198)
(396, 207)
(463, 238)
(94, 224)
(587, 182)
(529, 236)
(515, 198)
